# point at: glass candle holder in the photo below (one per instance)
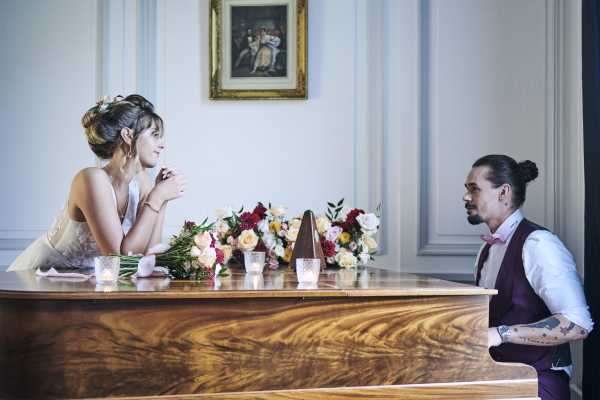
(106, 269)
(254, 261)
(254, 281)
(308, 269)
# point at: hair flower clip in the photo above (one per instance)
(106, 101)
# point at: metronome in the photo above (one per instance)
(307, 243)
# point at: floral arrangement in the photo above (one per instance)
(262, 229)
(191, 254)
(347, 235)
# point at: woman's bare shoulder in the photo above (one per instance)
(90, 177)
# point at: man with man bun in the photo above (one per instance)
(540, 306)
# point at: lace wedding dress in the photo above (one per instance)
(70, 243)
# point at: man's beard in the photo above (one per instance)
(474, 219)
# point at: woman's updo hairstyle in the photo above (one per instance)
(505, 170)
(103, 122)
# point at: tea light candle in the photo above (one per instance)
(106, 275)
(254, 267)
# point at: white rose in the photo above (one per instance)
(292, 234)
(203, 240)
(269, 240)
(279, 250)
(277, 211)
(227, 252)
(247, 240)
(369, 242)
(345, 259)
(323, 224)
(368, 222)
(225, 212)
(208, 257)
(263, 226)
(295, 223)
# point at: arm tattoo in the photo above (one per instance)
(548, 323)
(566, 330)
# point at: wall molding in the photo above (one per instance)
(455, 245)
(369, 106)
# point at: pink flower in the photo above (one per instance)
(333, 233)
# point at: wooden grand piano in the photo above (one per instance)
(358, 334)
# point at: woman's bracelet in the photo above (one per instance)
(150, 206)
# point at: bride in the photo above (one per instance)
(115, 209)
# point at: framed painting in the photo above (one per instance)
(257, 49)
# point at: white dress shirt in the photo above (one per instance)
(549, 269)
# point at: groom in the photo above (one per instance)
(540, 306)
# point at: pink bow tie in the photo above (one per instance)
(492, 240)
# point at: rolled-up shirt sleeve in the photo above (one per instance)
(550, 270)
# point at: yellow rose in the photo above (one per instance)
(345, 238)
(323, 224)
(275, 226)
(287, 255)
(292, 234)
(247, 240)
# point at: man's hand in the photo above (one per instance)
(494, 338)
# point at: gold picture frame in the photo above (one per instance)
(257, 49)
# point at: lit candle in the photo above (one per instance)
(255, 267)
(106, 275)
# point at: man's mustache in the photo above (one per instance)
(470, 206)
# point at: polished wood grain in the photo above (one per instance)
(53, 348)
(364, 282)
(496, 390)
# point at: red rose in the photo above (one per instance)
(328, 247)
(246, 226)
(260, 210)
(351, 217)
(246, 217)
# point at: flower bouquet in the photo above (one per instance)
(347, 235)
(192, 254)
(262, 229)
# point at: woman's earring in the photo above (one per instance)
(129, 153)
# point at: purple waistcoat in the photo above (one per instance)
(517, 303)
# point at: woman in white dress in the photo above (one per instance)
(115, 209)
